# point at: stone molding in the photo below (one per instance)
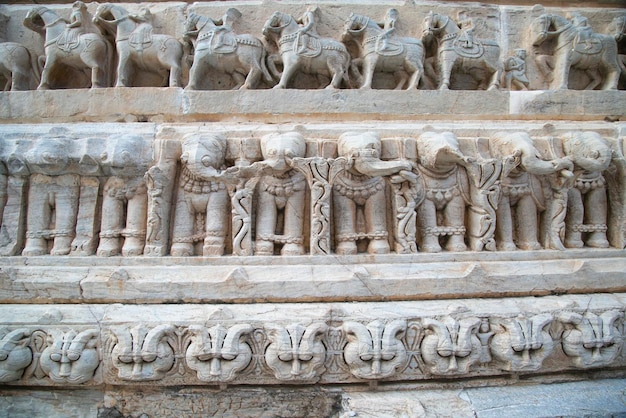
(87, 345)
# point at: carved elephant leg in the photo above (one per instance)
(136, 217)
(345, 224)
(454, 216)
(112, 218)
(38, 217)
(265, 224)
(595, 217)
(184, 221)
(375, 218)
(216, 223)
(427, 218)
(294, 222)
(66, 205)
(574, 219)
(526, 218)
(504, 225)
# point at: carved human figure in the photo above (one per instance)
(125, 199)
(360, 204)
(296, 352)
(380, 50)
(375, 350)
(515, 68)
(15, 355)
(522, 344)
(576, 47)
(442, 212)
(521, 196)
(218, 353)
(143, 353)
(70, 357)
(451, 346)
(458, 49)
(74, 47)
(52, 197)
(138, 48)
(301, 49)
(280, 194)
(202, 201)
(216, 47)
(587, 206)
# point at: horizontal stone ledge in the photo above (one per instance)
(49, 279)
(145, 104)
(302, 344)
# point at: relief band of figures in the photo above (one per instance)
(108, 45)
(212, 194)
(227, 351)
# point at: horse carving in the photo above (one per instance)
(309, 54)
(576, 47)
(217, 47)
(87, 51)
(473, 56)
(138, 47)
(404, 57)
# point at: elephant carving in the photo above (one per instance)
(521, 196)
(143, 354)
(442, 212)
(587, 206)
(125, 199)
(71, 357)
(359, 194)
(280, 205)
(15, 355)
(52, 198)
(202, 201)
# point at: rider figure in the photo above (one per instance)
(143, 32)
(515, 68)
(76, 27)
(309, 30)
(583, 30)
(389, 26)
(466, 25)
(225, 27)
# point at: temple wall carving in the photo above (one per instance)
(218, 197)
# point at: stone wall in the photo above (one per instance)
(291, 223)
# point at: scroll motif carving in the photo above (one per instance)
(217, 354)
(375, 350)
(451, 346)
(592, 340)
(523, 343)
(296, 352)
(71, 357)
(15, 355)
(141, 353)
